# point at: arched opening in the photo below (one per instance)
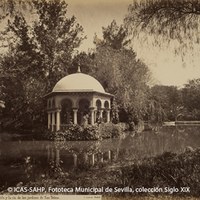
(83, 111)
(98, 112)
(98, 104)
(106, 113)
(106, 105)
(66, 111)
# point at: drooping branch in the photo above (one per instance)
(174, 19)
(168, 22)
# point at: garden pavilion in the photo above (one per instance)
(77, 99)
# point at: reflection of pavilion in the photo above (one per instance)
(79, 99)
(78, 158)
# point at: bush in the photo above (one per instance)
(91, 132)
(167, 170)
(109, 130)
(75, 132)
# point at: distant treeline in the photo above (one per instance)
(177, 104)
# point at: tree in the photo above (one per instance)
(121, 73)
(85, 60)
(166, 20)
(57, 36)
(20, 89)
(40, 56)
(191, 93)
(167, 99)
(115, 36)
(9, 8)
(166, 17)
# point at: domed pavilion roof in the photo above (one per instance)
(78, 82)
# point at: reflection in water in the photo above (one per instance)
(22, 161)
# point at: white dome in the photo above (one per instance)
(78, 82)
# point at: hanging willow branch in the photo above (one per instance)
(168, 19)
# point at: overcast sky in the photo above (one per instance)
(166, 69)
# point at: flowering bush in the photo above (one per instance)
(110, 130)
(75, 132)
(91, 132)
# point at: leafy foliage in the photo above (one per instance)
(40, 54)
(173, 19)
(124, 75)
(165, 102)
(167, 170)
(110, 130)
(75, 132)
(90, 132)
(191, 94)
(115, 36)
(56, 37)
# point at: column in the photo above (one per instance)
(58, 120)
(101, 114)
(75, 110)
(92, 159)
(92, 116)
(75, 160)
(53, 121)
(109, 155)
(95, 116)
(107, 115)
(49, 120)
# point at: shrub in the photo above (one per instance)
(167, 170)
(75, 132)
(91, 132)
(109, 130)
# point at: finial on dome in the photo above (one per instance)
(79, 69)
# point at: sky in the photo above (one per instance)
(166, 68)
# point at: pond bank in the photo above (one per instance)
(188, 122)
(167, 170)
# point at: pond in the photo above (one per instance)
(23, 160)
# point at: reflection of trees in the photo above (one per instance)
(82, 155)
(146, 144)
(58, 158)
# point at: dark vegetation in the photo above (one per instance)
(90, 132)
(167, 170)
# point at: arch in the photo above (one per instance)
(83, 110)
(98, 104)
(106, 104)
(66, 111)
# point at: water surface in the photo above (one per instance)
(23, 160)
